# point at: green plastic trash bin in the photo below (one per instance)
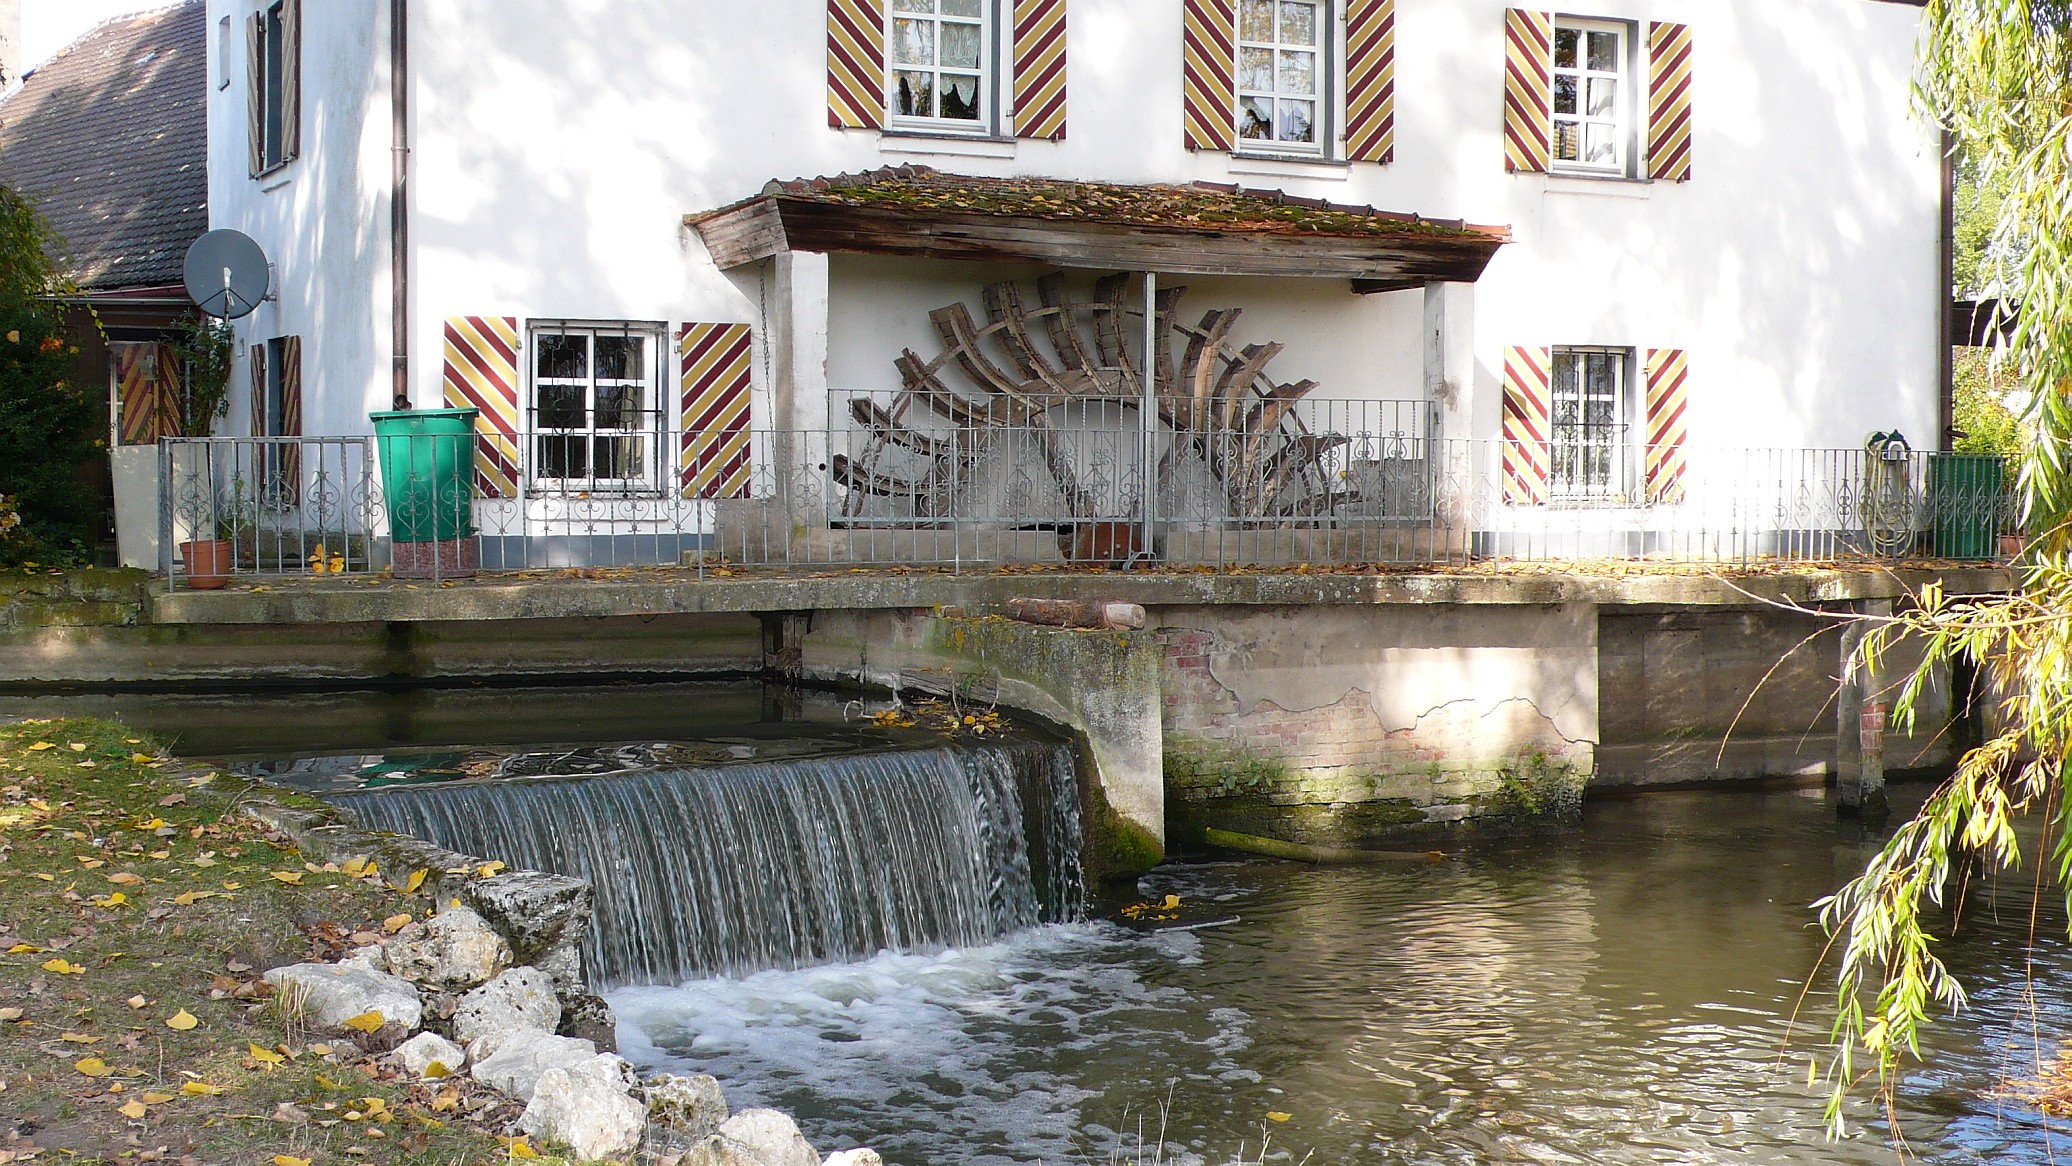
(1965, 491)
(427, 463)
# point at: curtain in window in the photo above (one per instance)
(291, 80)
(1668, 372)
(714, 415)
(255, 92)
(1669, 102)
(1209, 49)
(1527, 423)
(1528, 90)
(856, 64)
(1370, 80)
(1039, 69)
(482, 374)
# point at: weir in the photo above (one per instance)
(735, 869)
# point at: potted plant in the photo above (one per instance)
(209, 561)
(192, 368)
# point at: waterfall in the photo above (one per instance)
(733, 869)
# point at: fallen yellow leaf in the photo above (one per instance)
(367, 1022)
(520, 1148)
(1277, 1115)
(291, 877)
(60, 967)
(285, 1160)
(126, 879)
(133, 1110)
(1172, 901)
(79, 1038)
(436, 1070)
(199, 1089)
(395, 923)
(76, 747)
(181, 1021)
(92, 1067)
(40, 746)
(157, 1098)
(411, 884)
(24, 949)
(136, 1002)
(266, 1056)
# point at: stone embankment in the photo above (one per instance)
(493, 986)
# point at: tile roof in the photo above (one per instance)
(1196, 206)
(110, 140)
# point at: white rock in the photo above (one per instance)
(331, 994)
(421, 1052)
(370, 957)
(754, 1137)
(520, 998)
(588, 1108)
(854, 1158)
(689, 1107)
(511, 1062)
(452, 951)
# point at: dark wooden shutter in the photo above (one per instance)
(291, 419)
(255, 91)
(291, 80)
(856, 64)
(258, 351)
(1669, 102)
(1528, 90)
(1210, 61)
(1039, 69)
(482, 374)
(1370, 81)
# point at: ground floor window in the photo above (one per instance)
(1590, 439)
(595, 415)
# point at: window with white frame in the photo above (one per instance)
(1589, 443)
(941, 64)
(1593, 96)
(596, 421)
(1283, 53)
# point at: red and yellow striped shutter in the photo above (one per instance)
(141, 417)
(482, 374)
(1669, 102)
(1039, 69)
(1528, 90)
(1210, 57)
(713, 461)
(1668, 376)
(1528, 423)
(1370, 81)
(856, 64)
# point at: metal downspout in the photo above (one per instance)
(399, 198)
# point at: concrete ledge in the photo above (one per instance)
(674, 591)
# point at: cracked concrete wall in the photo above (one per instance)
(1347, 725)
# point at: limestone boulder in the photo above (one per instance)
(519, 998)
(418, 1054)
(755, 1137)
(591, 1018)
(512, 1061)
(860, 1157)
(682, 1111)
(456, 949)
(588, 1107)
(331, 994)
(545, 917)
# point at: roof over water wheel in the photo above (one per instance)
(1194, 229)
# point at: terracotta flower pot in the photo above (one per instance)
(208, 563)
(2010, 545)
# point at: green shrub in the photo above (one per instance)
(48, 427)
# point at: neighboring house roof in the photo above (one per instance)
(109, 139)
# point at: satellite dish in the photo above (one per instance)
(227, 274)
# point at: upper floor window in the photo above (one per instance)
(1589, 445)
(596, 415)
(274, 71)
(942, 64)
(1282, 52)
(1593, 96)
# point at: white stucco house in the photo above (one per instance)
(1571, 264)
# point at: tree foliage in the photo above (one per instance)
(48, 426)
(1998, 74)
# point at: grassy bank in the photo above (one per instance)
(138, 910)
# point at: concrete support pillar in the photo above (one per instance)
(1860, 713)
(798, 313)
(1449, 383)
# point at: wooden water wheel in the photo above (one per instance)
(1028, 373)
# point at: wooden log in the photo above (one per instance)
(1077, 613)
(1301, 852)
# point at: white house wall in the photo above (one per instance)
(559, 144)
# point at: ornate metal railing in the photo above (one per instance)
(1323, 482)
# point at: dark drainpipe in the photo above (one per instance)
(399, 195)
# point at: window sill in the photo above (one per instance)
(1602, 185)
(908, 141)
(1291, 166)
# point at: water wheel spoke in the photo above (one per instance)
(1111, 317)
(887, 429)
(1004, 308)
(857, 477)
(1236, 383)
(1060, 320)
(1204, 354)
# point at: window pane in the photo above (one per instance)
(1255, 23)
(1564, 94)
(1255, 118)
(963, 7)
(1255, 69)
(617, 457)
(1568, 141)
(562, 356)
(916, 96)
(960, 45)
(1298, 121)
(1565, 48)
(1298, 23)
(564, 457)
(1604, 94)
(913, 42)
(1600, 143)
(618, 358)
(1604, 52)
(618, 407)
(1298, 73)
(959, 97)
(561, 406)
(913, 5)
